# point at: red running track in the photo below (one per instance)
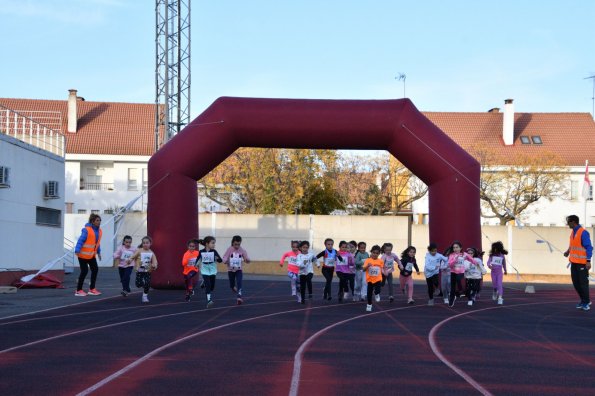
(534, 344)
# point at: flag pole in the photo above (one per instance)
(586, 182)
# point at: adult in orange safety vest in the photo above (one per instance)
(88, 247)
(579, 253)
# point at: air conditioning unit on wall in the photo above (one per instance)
(51, 190)
(4, 177)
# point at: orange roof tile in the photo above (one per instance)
(102, 127)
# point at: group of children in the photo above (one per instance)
(362, 275)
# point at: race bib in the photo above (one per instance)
(235, 263)
(126, 255)
(409, 267)
(460, 263)
(293, 260)
(192, 262)
(329, 261)
(145, 260)
(207, 257)
(374, 271)
(497, 261)
(389, 263)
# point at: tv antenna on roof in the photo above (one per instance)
(403, 77)
(592, 77)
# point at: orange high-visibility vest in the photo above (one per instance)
(577, 253)
(89, 249)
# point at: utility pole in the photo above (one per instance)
(592, 77)
(172, 68)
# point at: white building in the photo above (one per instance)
(31, 193)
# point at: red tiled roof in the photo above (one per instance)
(128, 129)
(570, 135)
(102, 127)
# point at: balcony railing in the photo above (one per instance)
(31, 127)
(97, 186)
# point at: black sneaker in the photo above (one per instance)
(187, 298)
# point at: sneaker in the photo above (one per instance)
(470, 303)
(192, 292)
(446, 301)
(586, 307)
(579, 305)
(239, 301)
(124, 293)
(452, 304)
(345, 296)
(410, 301)
(94, 292)
(187, 298)
(299, 298)
(210, 303)
(235, 290)
(431, 302)
(391, 298)
(369, 308)
(145, 298)
(500, 301)
(377, 297)
(495, 296)
(80, 293)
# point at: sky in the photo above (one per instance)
(459, 56)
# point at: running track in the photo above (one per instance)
(534, 344)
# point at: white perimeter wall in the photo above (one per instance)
(267, 237)
(23, 243)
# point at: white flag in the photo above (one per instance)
(587, 183)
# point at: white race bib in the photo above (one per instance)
(329, 261)
(374, 271)
(460, 263)
(235, 263)
(496, 260)
(126, 255)
(409, 267)
(207, 257)
(192, 262)
(389, 263)
(293, 260)
(145, 260)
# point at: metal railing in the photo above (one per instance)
(97, 186)
(29, 130)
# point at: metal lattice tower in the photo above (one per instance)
(172, 68)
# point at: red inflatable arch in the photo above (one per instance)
(229, 123)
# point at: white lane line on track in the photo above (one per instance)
(460, 372)
(297, 359)
(129, 322)
(186, 338)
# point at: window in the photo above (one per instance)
(48, 217)
(573, 190)
(536, 139)
(108, 211)
(95, 211)
(132, 179)
(145, 179)
(590, 193)
(82, 211)
(525, 140)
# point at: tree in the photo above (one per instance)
(510, 185)
(274, 181)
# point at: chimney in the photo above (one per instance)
(72, 118)
(508, 123)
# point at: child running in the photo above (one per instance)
(389, 259)
(190, 266)
(456, 262)
(304, 261)
(344, 270)
(406, 266)
(361, 285)
(373, 269)
(292, 268)
(235, 256)
(125, 264)
(433, 262)
(497, 264)
(351, 275)
(328, 266)
(474, 271)
(209, 258)
(146, 262)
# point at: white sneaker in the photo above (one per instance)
(470, 303)
(369, 308)
(500, 301)
(345, 296)
(431, 301)
(145, 298)
(446, 301)
(377, 297)
(494, 296)
(299, 299)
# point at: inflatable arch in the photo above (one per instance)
(229, 123)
